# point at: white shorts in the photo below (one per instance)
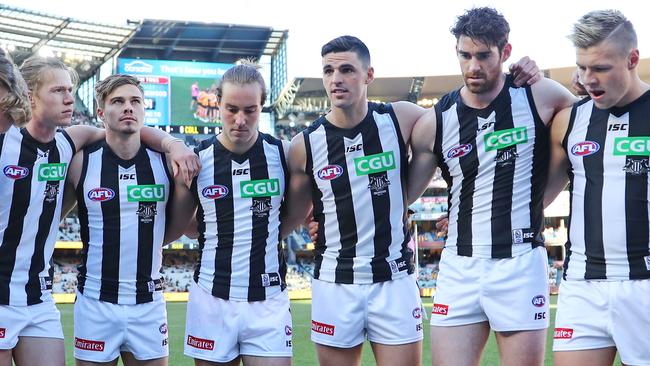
(599, 314)
(220, 330)
(387, 312)
(39, 320)
(102, 330)
(511, 293)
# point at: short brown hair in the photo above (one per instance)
(246, 72)
(600, 25)
(108, 85)
(35, 67)
(15, 105)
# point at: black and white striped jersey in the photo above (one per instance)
(122, 214)
(358, 178)
(609, 228)
(495, 163)
(31, 188)
(239, 200)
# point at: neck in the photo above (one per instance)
(237, 148)
(348, 117)
(125, 146)
(637, 89)
(41, 131)
(482, 100)
(4, 127)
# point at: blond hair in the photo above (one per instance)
(34, 68)
(600, 25)
(15, 105)
(246, 72)
(105, 87)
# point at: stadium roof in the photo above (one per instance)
(197, 41)
(81, 44)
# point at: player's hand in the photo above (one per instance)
(442, 225)
(184, 162)
(525, 72)
(312, 227)
(576, 84)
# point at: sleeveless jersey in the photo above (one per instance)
(239, 201)
(609, 230)
(495, 163)
(31, 188)
(358, 179)
(122, 214)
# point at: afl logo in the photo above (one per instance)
(585, 148)
(15, 172)
(458, 151)
(101, 194)
(330, 172)
(215, 192)
(539, 301)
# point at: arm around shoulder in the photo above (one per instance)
(423, 163)
(559, 161)
(550, 98)
(182, 208)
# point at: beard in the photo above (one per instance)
(484, 85)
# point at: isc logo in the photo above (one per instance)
(330, 172)
(240, 171)
(505, 138)
(376, 163)
(215, 192)
(585, 148)
(539, 301)
(101, 194)
(50, 172)
(352, 148)
(146, 193)
(458, 151)
(127, 176)
(15, 172)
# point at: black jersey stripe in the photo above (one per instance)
(146, 228)
(260, 232)
(593, 205)
(226, 226)
(541, 157)
(317, 196)
(469, 166)
(82, 212)
(110, 231)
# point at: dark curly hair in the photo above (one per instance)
(483, 24)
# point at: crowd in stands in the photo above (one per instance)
(69, 229)
(286, 132)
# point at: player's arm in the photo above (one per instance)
(550, 98)
(525, 72)
(559, 164)
(181, 211)
(298, 197)
(71, 182)
(184, 161)
(423, 163)
(407, 115)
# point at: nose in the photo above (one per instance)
(587, 77)
(68, 99)
(240, 118)
(473, 65)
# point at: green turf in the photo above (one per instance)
(180, 98)
(304, 353)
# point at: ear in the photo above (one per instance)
(633, 59)
(100, 113)
(505, 53)
(370, 75)
(31, 99)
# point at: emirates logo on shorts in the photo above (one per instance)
(440, 309)
(200, 343)
(322, 328)
(88, 345)
(2, 332)
(563, 333)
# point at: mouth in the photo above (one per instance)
(596, 94)
(128, 119)
(338, 91)
(67, 111)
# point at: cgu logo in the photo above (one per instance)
(145, 193)
(639, 146)
(458, 151)
(101, 194)
(505, 138)
(260, 188)
(376, 163)
(15, 172)
(539, 301)
(585, 148)
(50, 172)
(330, 172)
(215, 192)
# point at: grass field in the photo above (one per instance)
(304, 353)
